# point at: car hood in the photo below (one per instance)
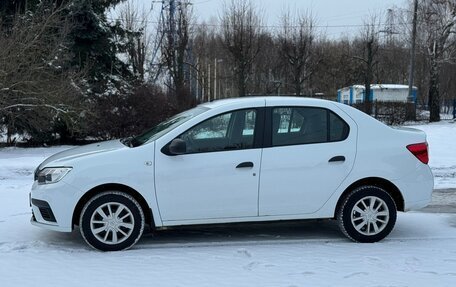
(63, 157)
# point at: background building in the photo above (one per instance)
(381, 92)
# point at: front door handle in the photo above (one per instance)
(337, 158)
(245, 164)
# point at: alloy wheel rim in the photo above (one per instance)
(112, 223)
(370, 215)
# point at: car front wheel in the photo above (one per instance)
(111, 221)
(367, 214)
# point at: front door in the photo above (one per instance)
(217, 177)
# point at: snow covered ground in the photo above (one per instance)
(421, 251)
(442, 152)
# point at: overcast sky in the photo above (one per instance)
(329, 13)
(336, 17)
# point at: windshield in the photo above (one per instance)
(163, 127)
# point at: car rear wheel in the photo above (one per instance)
(112, 221)
(367, 214)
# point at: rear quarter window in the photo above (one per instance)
(338, 128)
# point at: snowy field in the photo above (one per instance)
(442, 152)
(421, 251)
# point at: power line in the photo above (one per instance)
(275, 26)
(202, 2)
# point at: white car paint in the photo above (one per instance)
(303, 171)
(292, 182)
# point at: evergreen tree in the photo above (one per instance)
(96, 45)
(10, 8)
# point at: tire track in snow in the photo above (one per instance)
(243, 243)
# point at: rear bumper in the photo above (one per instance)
(417, 188)
(415, 205)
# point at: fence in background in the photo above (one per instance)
(396, 113)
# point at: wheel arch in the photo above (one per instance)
(385, 184)
(117, 187)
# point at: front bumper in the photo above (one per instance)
(49, 226)
(53, 205)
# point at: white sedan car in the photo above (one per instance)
(238, 160)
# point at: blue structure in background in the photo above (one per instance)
(454, 108)
(351, 95)
(379, 92)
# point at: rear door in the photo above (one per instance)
(309, 151)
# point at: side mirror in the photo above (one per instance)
(177, 147)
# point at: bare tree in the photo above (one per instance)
(241, 27)
(135, 21)
(368, 57)
(297, 45)
(268, 68)
(36, 86)
(438, 24)
(174, 49)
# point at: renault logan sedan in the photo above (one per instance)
(238, 160)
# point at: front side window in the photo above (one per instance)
(305, 125)
(229, 131)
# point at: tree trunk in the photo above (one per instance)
(297, 88)
(8, 135)
(297, 81)
(368, 78)
(434, 93)
(367, 90)
(241, 82)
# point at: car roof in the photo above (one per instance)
(268, 100)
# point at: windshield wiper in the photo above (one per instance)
(134, 142)
(127, 141)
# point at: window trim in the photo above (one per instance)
(258, 132)
(267, 139)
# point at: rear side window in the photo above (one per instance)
(306, 125)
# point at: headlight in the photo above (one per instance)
(52, 174)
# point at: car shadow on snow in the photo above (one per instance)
(41, 240)
(410, 226)
(239, 233)
(407, 228)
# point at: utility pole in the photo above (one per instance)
(172, 30)
(209, 82)
(197, 80)
(203, 87)
(215, 78)
(389, 26)
(412, 110)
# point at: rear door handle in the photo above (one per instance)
(337, 158)
(245, 164)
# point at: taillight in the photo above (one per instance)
(420, 150)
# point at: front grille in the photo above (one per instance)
(45, 210)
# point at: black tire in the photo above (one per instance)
(128, 225)
(350, 218)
